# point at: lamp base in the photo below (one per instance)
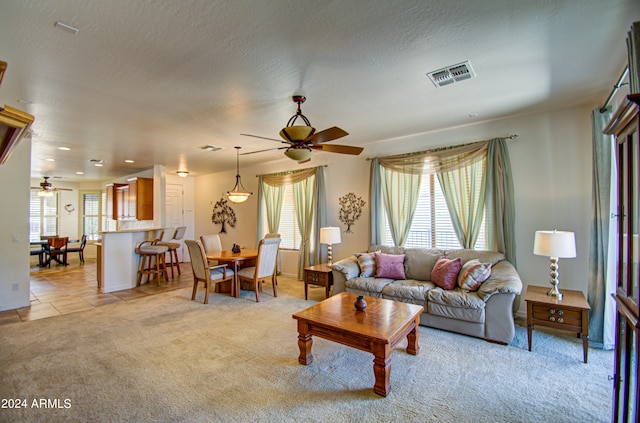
(555, 281)
(555, 292)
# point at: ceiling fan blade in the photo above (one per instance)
(333, 148)
(305, 161)
(261, 151)
(329, 134)
(265, 138)
(61, 189)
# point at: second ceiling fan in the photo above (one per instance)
(302, 140)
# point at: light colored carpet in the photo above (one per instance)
(166, 358)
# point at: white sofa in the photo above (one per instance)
(486, 313)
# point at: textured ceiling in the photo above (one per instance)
(154, 80)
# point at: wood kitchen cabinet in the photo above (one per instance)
(139, 199)
(131, 201)
(113, 201)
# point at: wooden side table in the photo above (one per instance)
(570, 313)
(320, 275)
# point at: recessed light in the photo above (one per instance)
(210, 147)
(50, 160)
(98, 164)
(64, 148)
(129, 161)
(66, 27)
(23, 101)
(79, 173)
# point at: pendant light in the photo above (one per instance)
(238, 194)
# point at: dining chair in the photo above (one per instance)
(79, 248)
(211, 244)
(203, 271)
(265, 265)
(173, 247)
(38, 249)
(277, 270)
(57, 247)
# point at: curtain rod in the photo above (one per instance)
(508, 137)
(615, 89)
(287, 172)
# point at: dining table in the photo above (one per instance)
(234, 261)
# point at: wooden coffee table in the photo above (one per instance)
(377, 330)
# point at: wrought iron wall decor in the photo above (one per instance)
(350, 209)
(223, 214)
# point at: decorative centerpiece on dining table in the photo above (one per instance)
(235, 249)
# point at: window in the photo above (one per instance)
(107, 224)
(432, 226)
(90, 215)
(43, 216)
(288, 229)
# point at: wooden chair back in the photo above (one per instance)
(58, 243)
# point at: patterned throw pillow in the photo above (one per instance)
(390, 266)
(367, 263)
(472, 274)
(445, 272)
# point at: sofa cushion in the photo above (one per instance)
(492, 257)
(456, 304)
(368, 285)
(367, 263)
(408, 291)
(419, 262)
(472, 274)
(387, 249)
(445, 272)
(389, 266)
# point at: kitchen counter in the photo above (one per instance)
(119, 262)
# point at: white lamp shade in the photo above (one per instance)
(330, 235)
(560, 244)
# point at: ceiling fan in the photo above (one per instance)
(46, 189)
(302, 140)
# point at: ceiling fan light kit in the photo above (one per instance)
(47, 190)
(297, 133)
(298, 154)
(303, 139)
(238, 194)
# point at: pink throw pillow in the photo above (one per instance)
(390, 266)
(445, 272)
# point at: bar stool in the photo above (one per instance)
(173, 247)
(151, 261)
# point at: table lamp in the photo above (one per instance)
(555, 244)
(330, 235)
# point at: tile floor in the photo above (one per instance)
(67, 289)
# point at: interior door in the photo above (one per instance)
(175, 211)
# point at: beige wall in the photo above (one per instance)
(551, 164)
(14, 228)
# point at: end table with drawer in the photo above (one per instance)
(570, 313)
(319, 274)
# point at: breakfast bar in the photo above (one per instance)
(119, 262)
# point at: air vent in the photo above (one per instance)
(210, 147)
(451, 74)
